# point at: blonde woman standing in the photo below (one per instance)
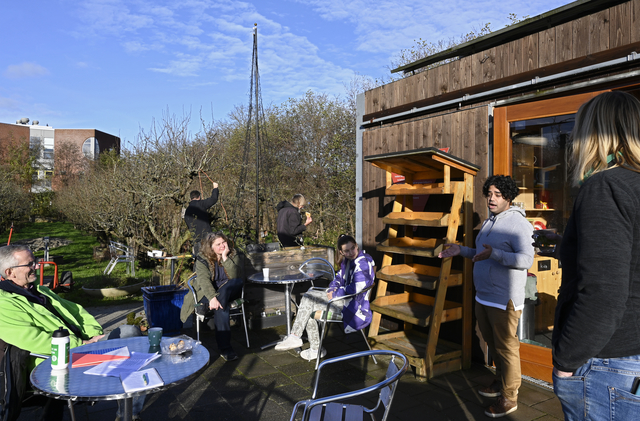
(596, 337)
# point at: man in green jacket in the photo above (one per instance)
(29, 314)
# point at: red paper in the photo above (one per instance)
(79, 359)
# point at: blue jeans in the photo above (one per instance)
(600, 390)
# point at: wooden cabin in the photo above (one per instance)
(505, 103)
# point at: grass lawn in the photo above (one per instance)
(78, 258)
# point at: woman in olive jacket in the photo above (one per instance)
(219, 280)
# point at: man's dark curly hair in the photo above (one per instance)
(504, 183)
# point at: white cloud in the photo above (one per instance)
(25, 70)
(386, 26)
(9, 104)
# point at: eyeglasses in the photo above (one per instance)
(31, 265)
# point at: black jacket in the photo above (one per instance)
(289, 224)
(598, 311)
(197, 217)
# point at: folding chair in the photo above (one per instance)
(239, 311)
(120, 254)
(332, 408)
(323, 321)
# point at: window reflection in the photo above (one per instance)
(540, 169)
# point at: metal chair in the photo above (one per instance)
(323, 321)
(332, 408)
(120, 254)
(318, 268)
(233, 312)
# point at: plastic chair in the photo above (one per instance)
(324, 321)
(332, 408)
(120, 254)
(233, 312)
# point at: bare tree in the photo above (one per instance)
(140, 195)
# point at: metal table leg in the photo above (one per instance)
(71, 411)
(287, 311)
(128, 409)
(287, 305)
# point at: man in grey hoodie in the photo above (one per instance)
(502, 256)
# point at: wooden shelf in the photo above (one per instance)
(411, 251)
(420, 276)
(418, 189)
(446, 175)
(419, 219)
(414, 308)
(448, 356)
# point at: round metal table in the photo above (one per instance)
(73, 385)
(288, 280)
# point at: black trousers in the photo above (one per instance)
(221, 319)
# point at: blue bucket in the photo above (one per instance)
(162, 306)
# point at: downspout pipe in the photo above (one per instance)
(359, 168)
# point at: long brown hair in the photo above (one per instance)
(206, 248)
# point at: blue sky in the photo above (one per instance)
(115, 65)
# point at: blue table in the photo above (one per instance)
(74, 385)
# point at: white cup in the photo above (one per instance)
(265, 273)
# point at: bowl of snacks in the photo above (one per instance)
(177, 345)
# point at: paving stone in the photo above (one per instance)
(272, 381)
(291, 394)
(280, 359)
(551, 407)
(531, 394)
(257, 368)
(453, 383)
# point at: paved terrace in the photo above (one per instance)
(264, 385)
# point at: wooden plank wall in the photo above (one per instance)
(610, 28)
(465, 132)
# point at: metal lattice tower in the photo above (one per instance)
(256, 117)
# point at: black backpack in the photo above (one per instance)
(13, 380)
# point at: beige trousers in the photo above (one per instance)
(499, 329)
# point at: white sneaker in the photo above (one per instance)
(290, 342)
(311, 354)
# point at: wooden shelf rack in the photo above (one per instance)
(433, 172)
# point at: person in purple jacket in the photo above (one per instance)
(356, 273)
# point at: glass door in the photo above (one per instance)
(540, 168)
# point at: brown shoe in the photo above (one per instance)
(502, 407)
(491, 391)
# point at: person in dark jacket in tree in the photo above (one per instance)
(197, 217)
(290, 224)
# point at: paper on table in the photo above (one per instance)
(141, 380)
(123, 367)
(85, 359)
